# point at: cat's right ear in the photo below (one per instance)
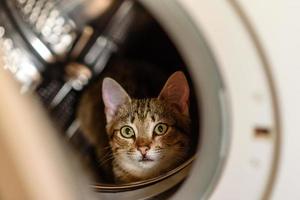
(113, 96)
(176, 91)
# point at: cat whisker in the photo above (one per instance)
(108, 157)
(106, 160)
(107, 147)
(107, 154)
(105, 157)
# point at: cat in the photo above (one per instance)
(171, 107)
(147, 136)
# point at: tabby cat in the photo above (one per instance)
(146, 137)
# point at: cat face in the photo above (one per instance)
(148, 136)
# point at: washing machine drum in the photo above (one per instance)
(235, 118)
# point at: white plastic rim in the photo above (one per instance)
(277, 27)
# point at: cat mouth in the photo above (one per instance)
(145, 160)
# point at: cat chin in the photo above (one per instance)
(154, 166)
(140, 169)
(147, 164)
(144, 164)
(145, 169)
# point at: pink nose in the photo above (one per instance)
(143, 150)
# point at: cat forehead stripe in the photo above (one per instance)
(141, 108)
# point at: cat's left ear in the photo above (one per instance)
(113, 96)
(176, 92)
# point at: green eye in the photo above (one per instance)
(160, 129)
(127, 132)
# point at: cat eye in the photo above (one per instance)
(127, 132)
(160, 129)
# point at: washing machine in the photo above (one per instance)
(242, 60)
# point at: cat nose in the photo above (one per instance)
(143, 150)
